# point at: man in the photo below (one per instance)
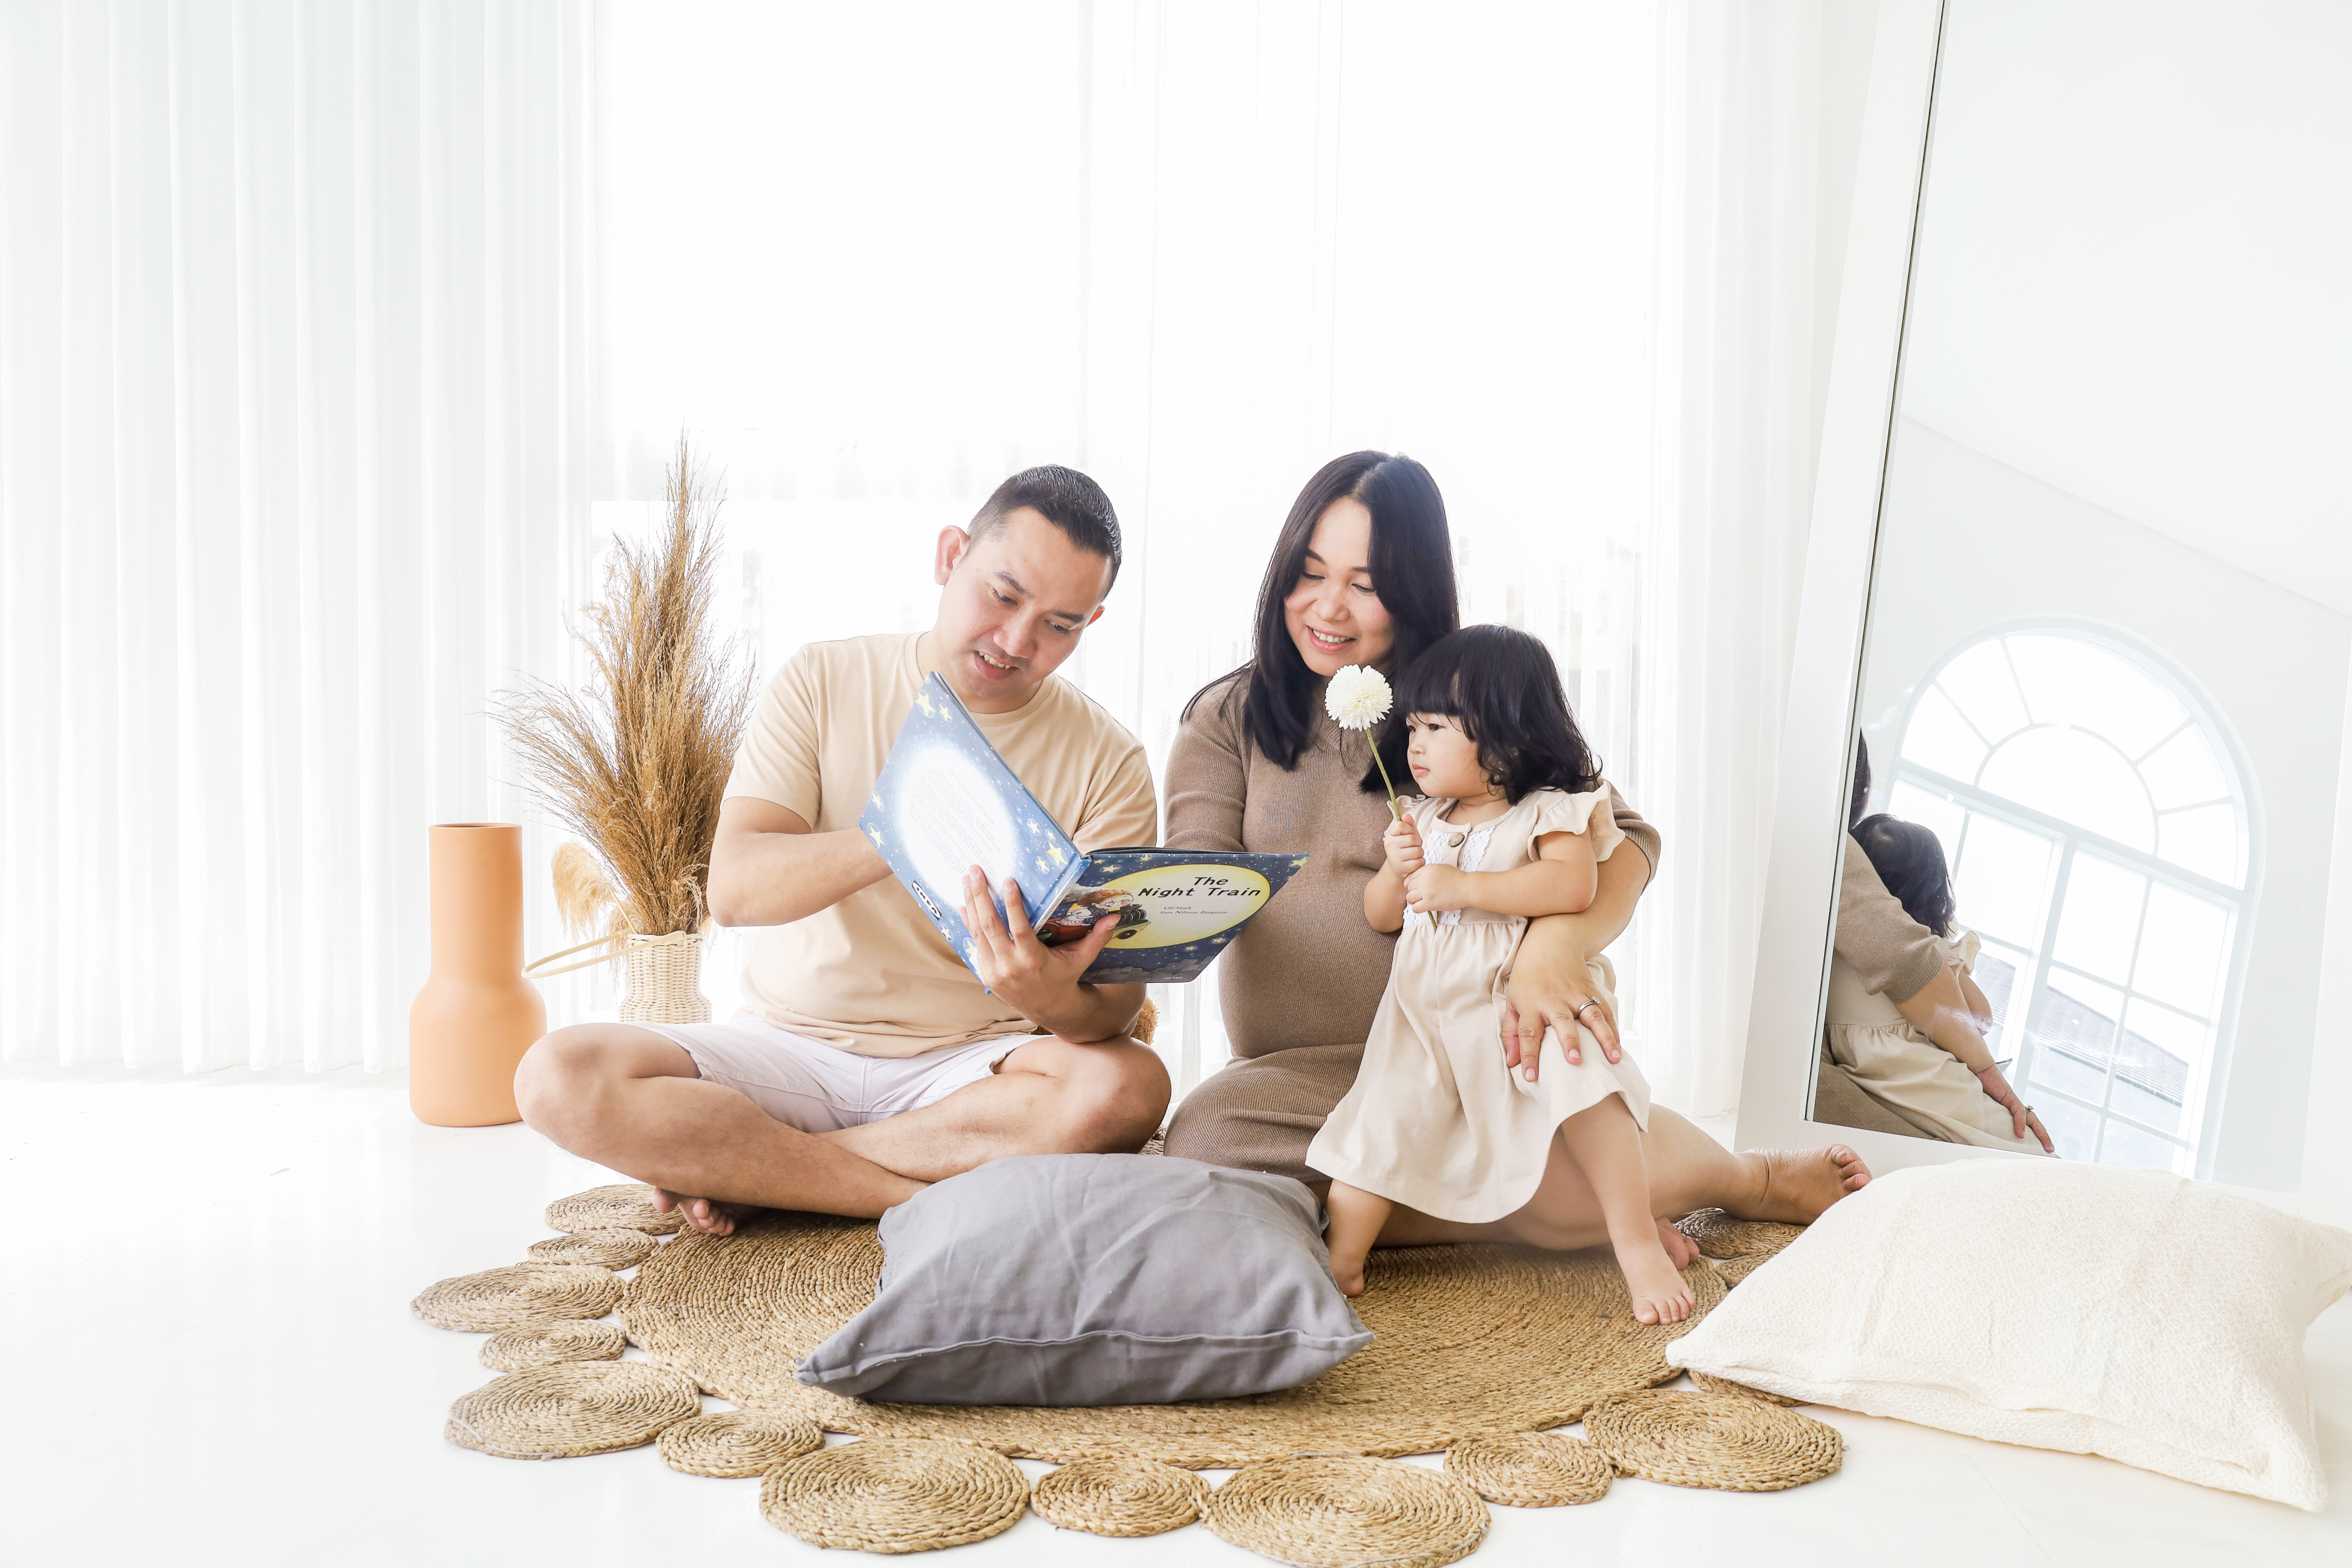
(869, 1062)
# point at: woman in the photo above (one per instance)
(1363, 572)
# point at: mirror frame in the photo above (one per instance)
(1816, 763)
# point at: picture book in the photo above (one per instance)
(947, 802)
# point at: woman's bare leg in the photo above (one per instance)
(1605, 1142)
(1687, 1169)
(1411, 1227)
(1357, 1217)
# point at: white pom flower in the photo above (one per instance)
(1358, 696)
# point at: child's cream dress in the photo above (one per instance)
(1436, 1121)
(1908, 1073)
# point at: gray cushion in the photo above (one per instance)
(1095, 1279)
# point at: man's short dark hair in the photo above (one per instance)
(1063, 496)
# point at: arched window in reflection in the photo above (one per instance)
(2099, 835)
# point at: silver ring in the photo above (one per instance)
(1578, 1014)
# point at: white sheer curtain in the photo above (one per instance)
(1579, 258)
(1765, 112)
(293, 421)
(301, 377)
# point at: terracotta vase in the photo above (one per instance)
(476, 1013)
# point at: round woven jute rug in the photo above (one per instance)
(544, 1344)
(1532, 1469)
(1338, 1511)
(1119, 1497)
(611, 1247)
(1723, 1440)
(1471, 1341)
(1709, 1383)
(733, 1444)
(1721, 1236)
(518, 1296)
(1735, 1269)
(625, 1206)
(570, 1408)
(895, 1495)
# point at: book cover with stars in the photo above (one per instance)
(946, 801)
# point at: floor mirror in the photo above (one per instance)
(2076, 644)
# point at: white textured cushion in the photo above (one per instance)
(2130, 1313)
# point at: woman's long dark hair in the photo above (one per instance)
(1502, 688)
(1412, 572)
(1910, 860)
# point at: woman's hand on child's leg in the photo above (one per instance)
(2021, 1113)
(1554, 1008)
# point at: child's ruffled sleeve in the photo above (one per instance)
(1963, 952)
(1589, 812)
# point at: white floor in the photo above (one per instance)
(206, 1357)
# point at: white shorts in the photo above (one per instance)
(818, 1088)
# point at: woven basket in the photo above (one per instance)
(664, 976)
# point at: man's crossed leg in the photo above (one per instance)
(818, 1129)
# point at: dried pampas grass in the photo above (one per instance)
(635, 763)
(584, 897)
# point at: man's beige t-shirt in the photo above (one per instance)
(872, 974)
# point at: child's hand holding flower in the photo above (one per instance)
(1401, 843)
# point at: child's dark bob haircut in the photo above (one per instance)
(1910, 861)
(1503, 688)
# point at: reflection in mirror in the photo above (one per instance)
(2100, 713)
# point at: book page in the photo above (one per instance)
(951, 818)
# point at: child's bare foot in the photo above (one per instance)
(1797, 1185)
(1659, 1294)
(1357, 1217)
(705, 1215)
(1680, 1250)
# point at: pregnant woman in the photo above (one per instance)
(1363, 572)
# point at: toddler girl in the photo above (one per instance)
(1515, 823)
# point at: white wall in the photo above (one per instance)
(1968, 543)
(2131, 266)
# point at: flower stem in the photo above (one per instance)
(1395, 810)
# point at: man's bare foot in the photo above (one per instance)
(704, 1215)
(1656, 1284)
(1799, 1184)
(1680, 1250)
